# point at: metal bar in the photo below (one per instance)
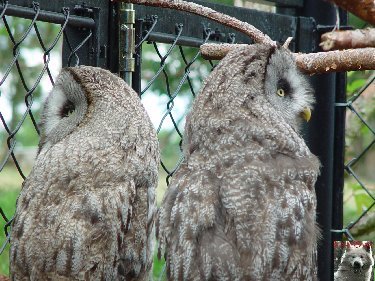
(339, 149)
(322, 143)
(181, 41)
(113, 40)
(136, 79)
(126, 41)
(338, 162)
(47, 16)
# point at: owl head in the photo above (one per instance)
(288, 90)
(64, 109)
(88, 100)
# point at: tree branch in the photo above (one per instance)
(324, 62)
(365, 9)
(211, 14)
(348, 39)
(334, 61)
(337, 61)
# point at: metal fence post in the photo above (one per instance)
(126, 41)
(322, 143)
(136, 79)
(339, 148)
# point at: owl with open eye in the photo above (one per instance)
(242, 205)
(86, 211)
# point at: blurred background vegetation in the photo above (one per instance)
(12, 107)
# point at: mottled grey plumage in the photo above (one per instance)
(242, 204)
(86, 211)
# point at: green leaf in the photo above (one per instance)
(363, 201)
(355, 85)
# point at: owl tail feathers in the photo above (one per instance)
(220, 258)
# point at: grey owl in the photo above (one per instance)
(242, 204)
(86, 211)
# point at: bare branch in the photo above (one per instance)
(324, 62)
(217, 51)
(365, 9)
(348, 39)
(200, 10)
(337, 61)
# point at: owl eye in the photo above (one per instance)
(281, 92)
(67, 109)
(283, 88)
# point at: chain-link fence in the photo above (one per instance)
(168, 74)
(359, 165)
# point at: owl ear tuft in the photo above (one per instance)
(287, 42)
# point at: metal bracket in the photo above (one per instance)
(126, 41)
(94, 49)
(219, 36)
(83, 10)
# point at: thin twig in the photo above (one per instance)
(323, 62)
(211, 14)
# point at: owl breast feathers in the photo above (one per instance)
(242, 204)
(86, 210)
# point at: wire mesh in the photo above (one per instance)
(355, 160)
(17, 84)
(179, 75)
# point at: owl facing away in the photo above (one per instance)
(242, 204)
(86, 211)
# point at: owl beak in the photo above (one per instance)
(306, 114)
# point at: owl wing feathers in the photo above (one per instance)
(272, 205)
(208, 224)
(68, 252)
(194, 242)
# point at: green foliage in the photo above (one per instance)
(8, 199)
(358, 138)
(159, 269)
(355, 85)
(30, 61)
(356, 22)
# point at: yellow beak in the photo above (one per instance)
(306, 114)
